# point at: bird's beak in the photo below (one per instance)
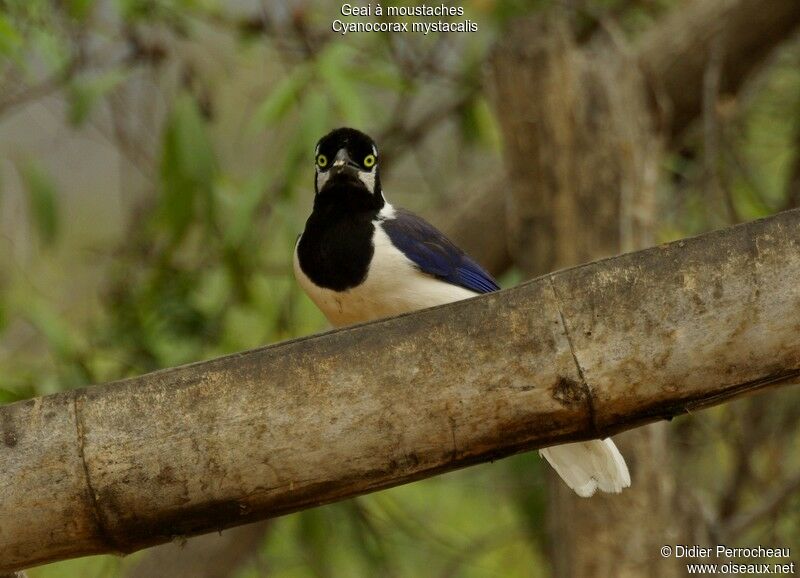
(343, 164)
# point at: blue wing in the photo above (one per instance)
(435, 254)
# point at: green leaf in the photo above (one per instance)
(3, 315)
(313, 122)
(477, 123)
(53, 49)
(210, 293)
(56, 330)
(531, 502)
(147, 10)
(84, 93)
(80, 9)
(387, 77)
(333, 67)
(188, 166)
(243, 203)
(316, 116)
(281, 99)
(42, 202)
(10, 39)
(314, 537)
(9, 395)
(367, 540)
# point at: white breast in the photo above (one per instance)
(394, 285)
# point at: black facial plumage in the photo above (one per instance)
(359, 148)
(336, 247)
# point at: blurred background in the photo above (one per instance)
(156, 165)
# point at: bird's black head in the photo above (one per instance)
(347, 165)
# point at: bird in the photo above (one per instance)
(359, 258)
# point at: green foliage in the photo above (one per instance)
(188, 168)
(80, 9)
(8, 395)
(54, 328)
(281, 98)
(84, 93)
(527, 472)
(477, 123)
(42, 201)
(149, 11)
(340, 77)
(463, 524)
(747, 174)
(3, 315)
(238, 207)
(10, 39)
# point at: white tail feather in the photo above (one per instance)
(587, 466)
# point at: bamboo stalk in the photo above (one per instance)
(576, 354)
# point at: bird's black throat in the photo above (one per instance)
(336, 247)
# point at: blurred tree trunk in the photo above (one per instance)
(581, 129)
(582, 155)
(736, 36)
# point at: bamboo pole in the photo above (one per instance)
(576, 354)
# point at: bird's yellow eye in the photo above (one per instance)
(322, 161)
(369, 161)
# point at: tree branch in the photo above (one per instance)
(193, 449)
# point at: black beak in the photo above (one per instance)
(344, 165)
